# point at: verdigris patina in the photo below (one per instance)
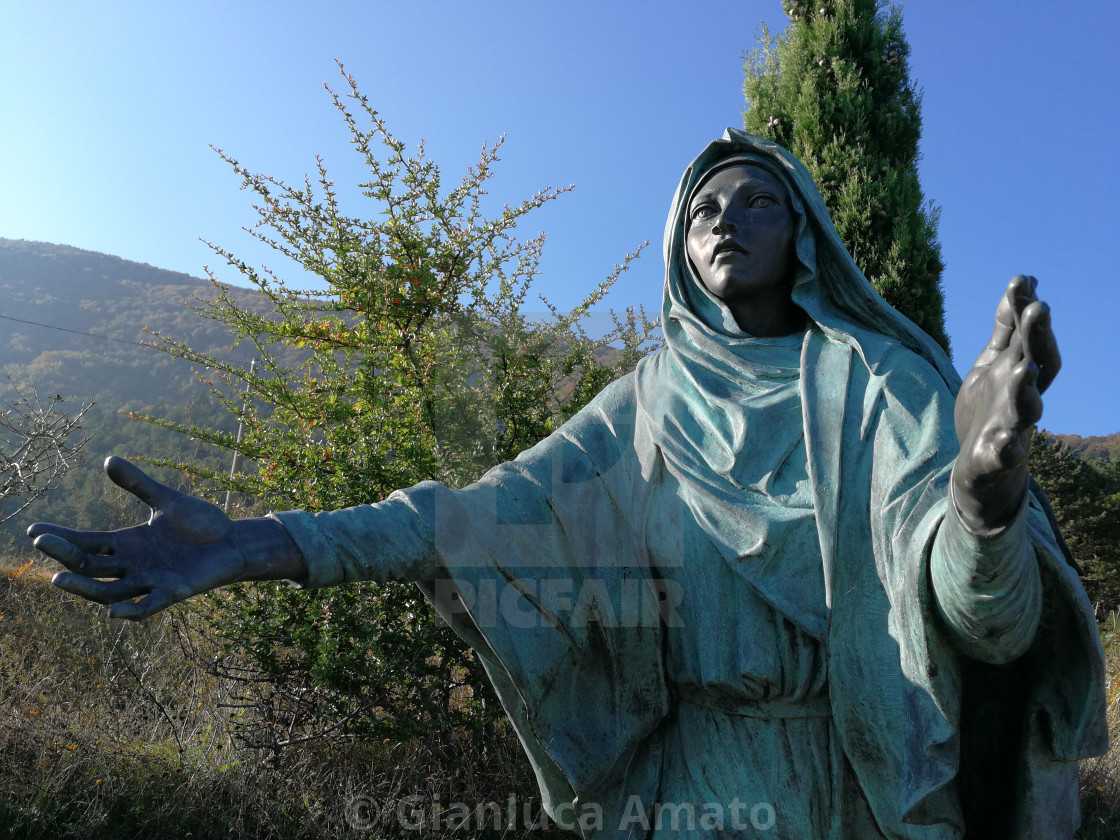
(767, 585)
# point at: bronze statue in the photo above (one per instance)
(789, 561)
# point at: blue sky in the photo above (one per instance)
(109, 107)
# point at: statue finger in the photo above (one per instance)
(1021, 292)
(101, 591)
(1002, 331)
(1007, 319)
(65, 552)
(1040, 344)
(91, 542)
(1026, 400)
(130, 477)
(157, 601)
(76, 560)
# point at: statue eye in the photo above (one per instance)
(703, 211)
(761, 202)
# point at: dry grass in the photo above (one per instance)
(110, 730)
(113, 730)
(1100, 777)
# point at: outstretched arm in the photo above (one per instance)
(187, 546)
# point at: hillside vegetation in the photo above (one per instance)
(77, 292)
(79, 324)
(1094, 447)
(72, 324)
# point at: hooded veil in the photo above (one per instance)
(699, 375)
(827, 284)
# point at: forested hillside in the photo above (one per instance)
(1094, 447)
(51, 296)
(72, 323)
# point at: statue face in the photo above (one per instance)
(740, 230)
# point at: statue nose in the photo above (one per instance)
(724, 226)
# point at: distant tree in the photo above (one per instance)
(418, 362)
(38, 443)
(835, 90)
(1086, 499)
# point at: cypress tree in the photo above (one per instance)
(835, 90)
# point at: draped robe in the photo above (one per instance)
(940, 680)
(588, 693)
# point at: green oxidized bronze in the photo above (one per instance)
(787, 577)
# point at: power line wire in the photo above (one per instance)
(76, 332)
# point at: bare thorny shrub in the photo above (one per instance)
(102, 723)
(38, 443)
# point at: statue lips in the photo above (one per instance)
(728, 246)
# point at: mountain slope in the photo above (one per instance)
(72, 324)
(51, 296)
(1094, 447)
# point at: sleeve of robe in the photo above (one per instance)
(541, 568)
(908, 658)
(988, 590)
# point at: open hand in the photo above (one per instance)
(186, 547)
(997, 409)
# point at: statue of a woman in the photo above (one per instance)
(754, 588)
